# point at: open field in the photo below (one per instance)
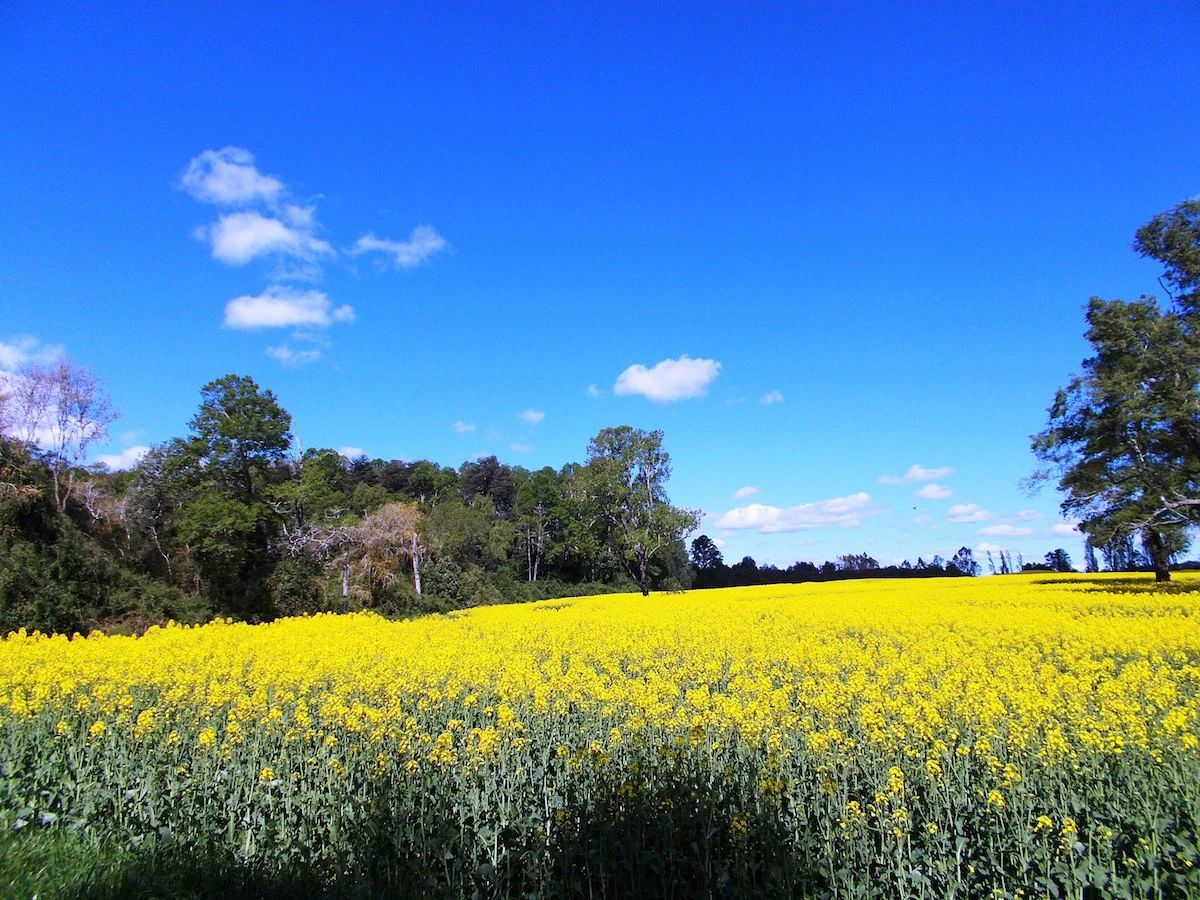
(871, 738)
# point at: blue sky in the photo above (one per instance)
(888, 220)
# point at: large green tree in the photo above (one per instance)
(626, 476)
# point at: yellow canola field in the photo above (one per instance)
(865, 716)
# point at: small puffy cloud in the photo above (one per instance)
(935, 491)
(126, 459)
(423, 242)
(291, 358)
(771, 398)
(843, 511)
(461, 427)
(1005, 531)
(25, 349)
(967, 512)
(228, 177)
(594, 392)
(239, 237)
(531, 416)
(743, 492)
(918, 473)
(351, 452)
(284, 307)
(1065, 529)
(669, 380)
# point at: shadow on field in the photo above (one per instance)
(621, 844)
(1133, 584)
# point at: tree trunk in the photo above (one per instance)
(416, 563)
(345, 586)
(1158, 555)
(643, 575)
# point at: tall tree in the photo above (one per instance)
(964, 561)
(1173, 238)
(628, 470)
(1124, 437)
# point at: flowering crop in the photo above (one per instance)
(871, 738)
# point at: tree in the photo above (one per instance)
(1089, 557)
(1059, 560)
(707, 561)
(964, 561)
(628, 469)
(239, 431)
(1124, 437)
(387, 537)
(1173, 238)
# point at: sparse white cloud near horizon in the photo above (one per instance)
(531, 416)
(845, 512)
(917, 473)
(967, 512)
(986, 547)
(669, 380)
(228, 177)
(520, 448)
(351, 452)
(423, 242)
(1065, 529)
(284, 307)
(743, 492)
(461, 427)
(935, 491)
(126, 459)
(25, 349)
(771, 398)
(1027, 515)
(1005, 531)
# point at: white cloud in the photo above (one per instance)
(126, 459)
(771, 398)
(25, 349)
(284, 307)
(669, 380)
(747, 491)
(1066, 529)
(531, 416)
(918, 473)
(461, 427)
(1027, 515)
(594, 392)
(1005, 531)
(239, 237)
(351, 452)
(293, 359)
(994, 548)
(967, 512)
(934, 491)
(228, 177)
(521, 448)
(423, 242)
(844, 511)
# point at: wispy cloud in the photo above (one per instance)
(291, 358)
(520, 448)
(771, 398)
(744, 492)
(25, 349)
(967, 512)
(918, 473)
(126, 459)
(284, 307)
(846, 512)
(669, 380)
(1005, 531)
(228, 177)
(1065, 529)
(423, 242)
(351, 452)
(531, 416)
(594, 392)
(935, 491)
(461, 427)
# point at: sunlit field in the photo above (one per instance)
(874, 738)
